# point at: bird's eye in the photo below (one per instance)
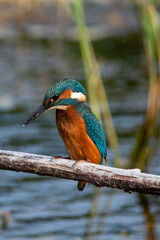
(55, 97)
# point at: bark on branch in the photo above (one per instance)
(129, 180)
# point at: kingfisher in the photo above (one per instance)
(79, 128)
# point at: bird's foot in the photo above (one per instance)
(56, 157)
(78, 161)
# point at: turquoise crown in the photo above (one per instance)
(61, 86)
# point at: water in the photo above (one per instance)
(50, 208)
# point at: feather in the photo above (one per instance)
(94, 128)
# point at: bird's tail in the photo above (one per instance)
(81, 185)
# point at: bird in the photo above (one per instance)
(79, 128)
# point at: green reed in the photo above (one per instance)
(147, 135)
(95, 87)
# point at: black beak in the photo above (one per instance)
(37, 113)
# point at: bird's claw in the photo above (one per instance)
(57, 157)
(77, 162)
(51, 159)
(54, 157)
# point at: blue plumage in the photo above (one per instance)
(61, 86)
(93, 125)
(94, 128)
(66, 102)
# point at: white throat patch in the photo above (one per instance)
(78, 95)
(61, 107)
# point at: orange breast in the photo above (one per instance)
(72, 130)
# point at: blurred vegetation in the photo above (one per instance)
(150, 130)
(148, 16)
(94, 81)
(146, 141)
(147, 136)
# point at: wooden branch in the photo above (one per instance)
(129, 180)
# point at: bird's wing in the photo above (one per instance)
(94, 128)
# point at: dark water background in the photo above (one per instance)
(49, 208)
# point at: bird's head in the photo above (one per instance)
(64, 93)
